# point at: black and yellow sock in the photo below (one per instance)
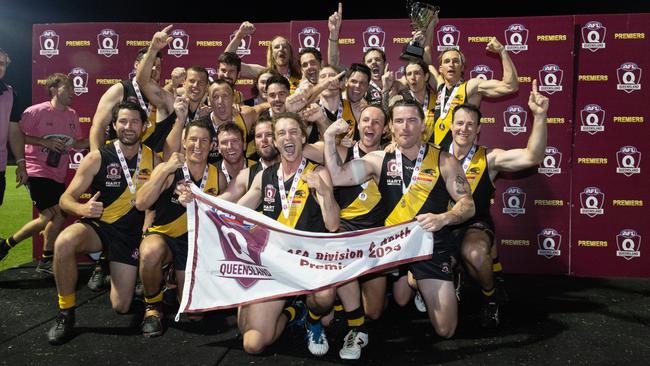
(47, 255)
(356, 318)
(312, 318)
(154, 299)
(338, 306)
(488, 293)
(67, 302)
(290, 312)
(9, 243)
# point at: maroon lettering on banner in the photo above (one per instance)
(579, 212)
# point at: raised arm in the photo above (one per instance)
(173, 139)
(158, 96)
(518, 159)
(161, 178)
(69, 200)
(102, 117)
(459, 190)
(355, 171)
(247, 70)
(334, 26)
(496, 88)
(319, 180)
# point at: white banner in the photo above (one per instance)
(238, 256)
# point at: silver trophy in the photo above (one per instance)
(421, 15)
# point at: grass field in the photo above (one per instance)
(14, 213)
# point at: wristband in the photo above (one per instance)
(19, 160)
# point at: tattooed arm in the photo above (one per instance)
(460, 192)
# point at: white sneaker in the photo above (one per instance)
(353, 342)
(316, 339)
(419, 303)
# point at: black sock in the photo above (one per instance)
(47, 254)
(356, 318)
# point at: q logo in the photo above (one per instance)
(79, 78)
(481, 72)
(107, 40)
(628, 159)
(551, 163)
(593, 36)
(515, 118)
(373, 37)
(548, 243)
(75, 158)
(591, 202)
(629, 77)
(309, 37)
(516, 38)
(592, 117)
(179, 43)
(628, 243)
(550, 78)
(244, 48)
(49, 42)
(448, 36)
(514, 200)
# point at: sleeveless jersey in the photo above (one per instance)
(429, 116)
(481, 184)
(304, 211)
(348, 115)
(441, 134)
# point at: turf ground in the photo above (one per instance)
(15, 211)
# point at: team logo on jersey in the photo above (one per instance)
(550, 78)
(551, 163)
(107, 40)
(628, 243)
(593, 36)
(391, 168)
(179, 43)
(514, 200)
(49, 42)
(244, 47)
(548, 243)
(373, 37)
(309, 37)
(591, 202)
(516, 38)
(79, 78)
(269, 193)
(242, 244)
(629, 77)
(113, 171)
(515, 118)
(448, 37)
(628, 159)
(592, 117)
(481, 72)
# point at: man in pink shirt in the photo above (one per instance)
(8, 113)
(49, 128)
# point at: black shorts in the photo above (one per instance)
(178, 247)
(45, 192)
(3, 185)
(118, 245)
(439, 267)
(479, 223)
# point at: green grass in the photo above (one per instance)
(14, 213)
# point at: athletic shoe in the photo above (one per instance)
(490, 314)
(97, 281)
(316, 339)
(45, 266)
(62, 329)
(152, 322)
(353, 342)
(419, 302)
(500, 285)
(3, 249)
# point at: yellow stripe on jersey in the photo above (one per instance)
(477, 167)
(442, 125)
(348, 115)
(122, 205)
(430, 117)
(298, 205)
(419, 192)
(359, 206)
(151, 124)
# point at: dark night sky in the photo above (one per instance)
(17, 17)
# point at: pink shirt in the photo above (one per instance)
(42, 120)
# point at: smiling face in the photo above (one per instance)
(333, 88)
(375, 62)
(264, 141)
(261, 84)
(289, 138)
(357, 86)
(129, 126)
(197, 144)
(276, 96)
(280, 51)
(310, 67)
(231, 146)
(371, 127)
(465, 127)
(407, 126)
(195, 85)
(228, 72)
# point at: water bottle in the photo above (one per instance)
(53, 158)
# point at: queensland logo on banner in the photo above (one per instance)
(79, 78)
(237, 256)
(591, 202)
(244, 47)
(514, 200)
(628, 243)
(592, 117)
(629, 77)
(551, 163)
(550, 78)
(628, 159)
(516, 38)
(180, 42)
(548, 243)
(373, 37)
(593, 36)
(481, 72)
(108, 40)
(309, 37)
(49, 42)
(448, 37)
(515, 117)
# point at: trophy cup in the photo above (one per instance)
(421, 15)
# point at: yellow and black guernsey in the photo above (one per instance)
(427, 195)
(430, 117)
(119, 207)
(348, 116)
(171, 216)
(239, 121)
(304, 211)
(360, 207)
(441, 133)
(482, 186)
